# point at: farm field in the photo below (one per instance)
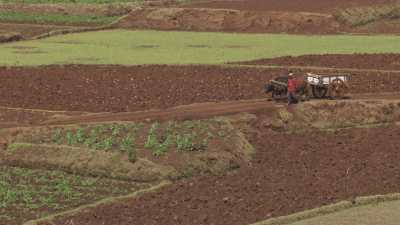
(236, 83)
(286, 5)
(159, 114)
(154, 47)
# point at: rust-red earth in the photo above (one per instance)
(357, 61)
(132, 88)
(290, 173)
(286, 5)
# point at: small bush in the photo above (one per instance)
(184, 142)
(364, 15)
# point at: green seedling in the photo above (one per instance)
(151, 141)
(184, 142)
(80, 135)
(70, 138)
(57, 136)
(108, 143)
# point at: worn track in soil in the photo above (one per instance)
(30, 30)
(136, 88)
(289, 174)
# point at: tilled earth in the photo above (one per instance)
(285, 5)
(30, 30)
(358, 61)
(290, 173)
(133, 88)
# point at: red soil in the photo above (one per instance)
(358, 61)
(290, 173)
(30, 30)
(133, 88)
(285, 5)
(228, 21)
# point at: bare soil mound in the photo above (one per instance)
(227, 20)
(70, 9)
(8, 37)
(379, 27)
(134, 88)
(284, 5)
(291, 173)
(357, 61)
(30, 30)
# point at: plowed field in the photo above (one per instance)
(286, 5)
(289, 174)
(134, 88)
(360, 61)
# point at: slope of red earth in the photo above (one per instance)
(324, 6)
(30, 30)
(358, 61)
(132, 88)
(289, 173)
(229, 21)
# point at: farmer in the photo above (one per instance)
(291, 89)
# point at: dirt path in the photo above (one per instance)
(195, 111)
(198, 111)
(30, 30)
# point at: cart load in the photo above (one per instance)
(319, 85)
(324, 85)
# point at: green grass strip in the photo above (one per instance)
(127, 47)
(55, 18)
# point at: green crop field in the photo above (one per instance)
(382, 214)
(157, 47)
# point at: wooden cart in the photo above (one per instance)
(323, 85)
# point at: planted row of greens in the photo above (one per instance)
(156, 137)
(27, 193)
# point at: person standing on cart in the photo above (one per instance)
(291, 89)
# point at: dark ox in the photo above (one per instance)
(280, 91)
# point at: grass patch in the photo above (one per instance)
(365, 15)
(29, 194)
(58, 19)
(124, 47)
(17, 146)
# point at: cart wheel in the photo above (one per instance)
(337, 88)
(319, 91)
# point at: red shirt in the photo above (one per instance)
(291, 85)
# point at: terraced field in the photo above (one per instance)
(113, 123)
